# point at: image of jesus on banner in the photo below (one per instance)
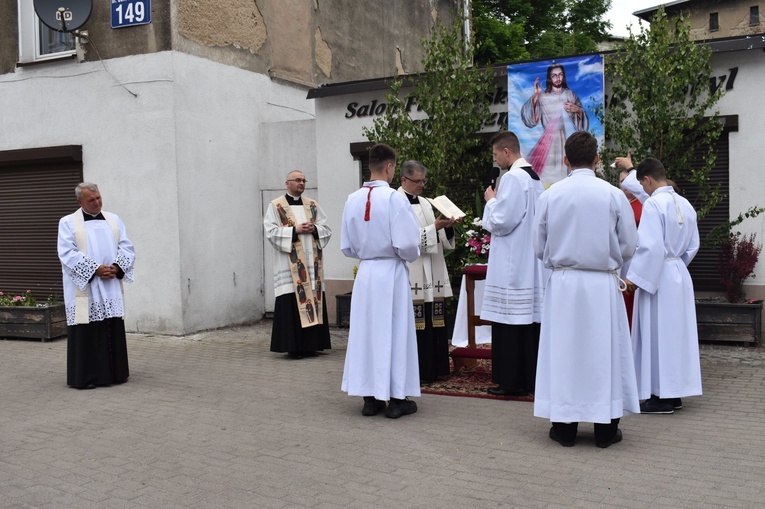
(547, 102)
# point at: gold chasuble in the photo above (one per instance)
(308, 301)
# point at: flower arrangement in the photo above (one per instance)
(477, 241)
(26, 299)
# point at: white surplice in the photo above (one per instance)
(381, 360)
(429, 272)
(584, 231)
(515, 278)
(104, 295)
(280, 238)
(664, 332)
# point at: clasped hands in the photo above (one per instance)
(306, 227)
(106, 271)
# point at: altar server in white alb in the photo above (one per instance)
(380, 229)
(428, 276)
(96, 257)
(584, 231)
(515, 278)
(297, 229)
(664, 330)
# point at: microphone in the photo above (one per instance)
(494, 175)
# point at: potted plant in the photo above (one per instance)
(734, 318)
(21, 316)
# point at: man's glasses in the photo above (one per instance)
(298, 180)
(418, 182)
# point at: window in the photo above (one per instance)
(754, 15)
(714, 22)
(37, 42)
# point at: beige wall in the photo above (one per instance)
(307, 42)
(733, 16)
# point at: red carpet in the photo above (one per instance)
(471, 383)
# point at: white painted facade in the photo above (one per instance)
(186, 164)
(747, 150)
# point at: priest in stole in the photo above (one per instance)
(428, 276)
(297, 229)
(96, 257)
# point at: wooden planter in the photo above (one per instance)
(730, 322)
(46, 322)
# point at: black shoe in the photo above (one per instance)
(499, 391)
(398, 407)
(677, 403)
(617, 438)
(656, 406)
(295, 355)
(372, 406)
(554, 436)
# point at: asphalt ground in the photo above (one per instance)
(216, 420)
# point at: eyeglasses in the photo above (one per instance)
(418, 182)
(298, 180)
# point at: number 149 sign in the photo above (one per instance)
(127, 13)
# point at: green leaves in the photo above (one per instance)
(663, 106)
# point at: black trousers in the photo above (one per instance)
(514, 350)
(604, 433)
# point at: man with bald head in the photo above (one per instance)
(297, 229)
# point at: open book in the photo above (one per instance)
(446, 207)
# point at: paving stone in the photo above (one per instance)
(217, 420)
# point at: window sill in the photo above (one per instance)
(47, 60)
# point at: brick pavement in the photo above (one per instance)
(216, 420)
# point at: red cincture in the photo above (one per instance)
(369, 204)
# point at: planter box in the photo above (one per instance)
(726, 321)
(43, 323)
(343, 309)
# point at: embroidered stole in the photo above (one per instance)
(423, 266)
(308, 301)
(81, 299)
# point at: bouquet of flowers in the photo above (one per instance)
(477, 241)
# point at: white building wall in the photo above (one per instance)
(180, 163)
(747, 150)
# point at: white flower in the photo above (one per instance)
(477, 222)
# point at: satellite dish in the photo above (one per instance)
(63, 15)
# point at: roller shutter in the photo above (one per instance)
(36, 190)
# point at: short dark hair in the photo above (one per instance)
(508, 140)
(581, 150)
(380, 155)
(651, 167)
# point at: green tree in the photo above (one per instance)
(510, 30)
(454, 100)
(452, 96)
(662, 105)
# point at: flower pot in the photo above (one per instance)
(729, 321)
(44, 322)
